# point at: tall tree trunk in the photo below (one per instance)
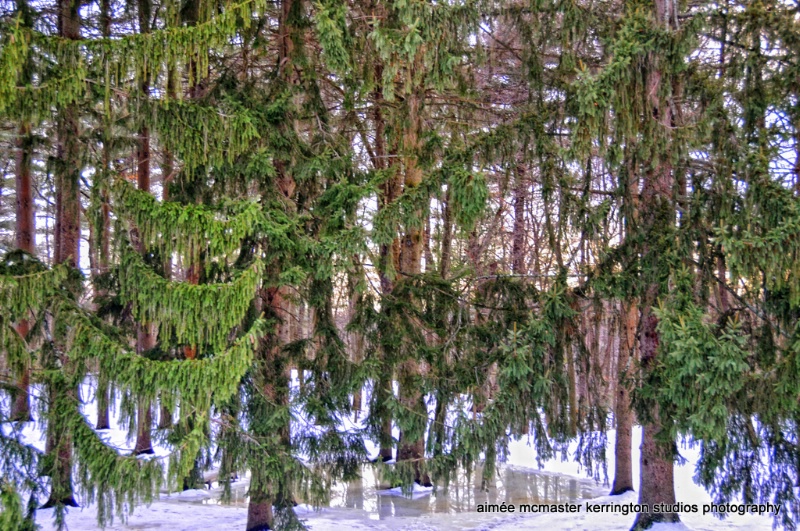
(68, 207)
(145, 340)
(259, 511)
(356, 338)
(191, 14)
(68, 231)
(722, 274)
(411, 447)
(167, 169)
(145, 333)
(388, 260)
(264, 493)
(623, 415)
(144, 420)
(102, 263)
(628, 325)
(25, 226)
(103, 422)
(103, 399)
(273, 382)
(657, 484)
(26, 241)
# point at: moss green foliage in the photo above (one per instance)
(11, 512)
(182, 310)
(705, 365)
(541, 165)
(203, 135)
(187, 230)
(30, 293)
(193, 381)
(116, 483)
(142, 53)
(16, 349)
(767, 251)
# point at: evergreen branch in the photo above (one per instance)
(117, 483)
(188, 230)
(23, 294)
(182, 310)
(194, 382)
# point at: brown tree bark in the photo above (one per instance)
(722, 274)
(191, 15)
(447, 236)
(167, 168)
(102, 261)
(274, 373)
(389, 259)
(429, 266)
(273, 380)
(628, 325)
(259, 512)
(103, 420)
(144, 423)
(657, 212)
(657, 485)
(26, 241)
(623, 415)
(145, 333)
(67, 242)
(412, 448)
(25, 227)
(355, 339)
(68, 206)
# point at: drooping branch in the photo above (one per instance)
(182, 309)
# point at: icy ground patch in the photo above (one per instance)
(201, 510)
(369, 504)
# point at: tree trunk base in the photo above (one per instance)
(648, 520)
(616, 491)
(384, 456)
(259, 515)
(144, 451)
(657, 485)
(66, 502)
(414, 452)
(20, 410)
(357, 404)
(103, 422)
(144, 441)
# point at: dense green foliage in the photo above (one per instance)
(460, 198)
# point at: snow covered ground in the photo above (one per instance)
(369, 505)
(200, 510)
(686, 491)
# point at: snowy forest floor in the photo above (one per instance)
(365, 505)
(199, 509)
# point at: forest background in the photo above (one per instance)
(544, 218)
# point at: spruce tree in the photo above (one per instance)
(504, 193)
